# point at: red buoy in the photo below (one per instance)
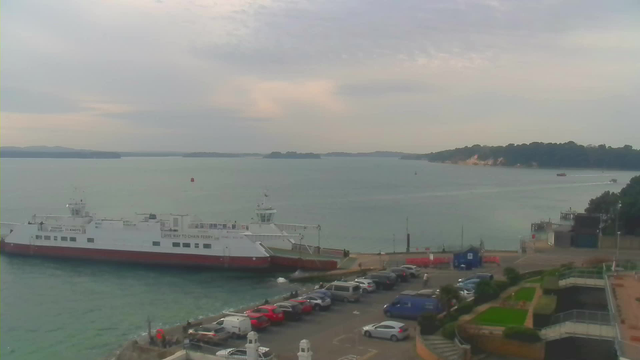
(193, 180)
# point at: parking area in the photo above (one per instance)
(336, 333)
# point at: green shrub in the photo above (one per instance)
(512, 275)
(428, 323)
(550, 284)
(485, 292)
(464, 308)
(501, 285)
(531, 274)
(449, 331)
(521, 333)
(546, 305)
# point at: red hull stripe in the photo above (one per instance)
(139, 257)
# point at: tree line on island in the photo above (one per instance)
(538, 154)
(622, 208)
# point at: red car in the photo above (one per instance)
(271, 312)
(307, 308)
(258, 321)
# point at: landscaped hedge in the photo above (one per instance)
(531, 274)
(521, 333)
(501, 285)
(464, 308)
(449, 331)
(546, 305)
(550, 284)
(543, 311)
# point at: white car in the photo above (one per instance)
(367, 285)
(318, 301)
(466, 292)
(414, 271)
(391, 330)
(240, 353)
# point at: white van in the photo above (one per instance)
(236, 325)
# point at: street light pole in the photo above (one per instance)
(617, 232)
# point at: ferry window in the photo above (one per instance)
(224, 226)
(47, 237)
(38, 237)
(215, 226)
(233, 226)
(175, 222)
(206, 246)
(72, 239)
(196, 245)
(187, 245)
(90, 240)
(55, 238)
(156, 243)
(175, 244)
(63, 238)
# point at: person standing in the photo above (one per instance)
(425, 280)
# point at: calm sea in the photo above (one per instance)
(80, 310)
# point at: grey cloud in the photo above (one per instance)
(22, 100)
(383, 88)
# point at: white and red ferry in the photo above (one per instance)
(169, 239)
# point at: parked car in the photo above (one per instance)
(411, 307)
(241, 353)
(271, 312)
(391, 330)
(345, 291)
(209, 334)
(401, 273)
(324, 293)
(305, 306)
(383, 280)
(236, 325)
(466, 292)
(481, 276)
(291, 311)
(258, 321)
(319, 302)
(469, 283)
(424, 293)
(413, 270)
(367, 285)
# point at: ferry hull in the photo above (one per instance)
(137, 257)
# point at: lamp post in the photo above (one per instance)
(617, 232)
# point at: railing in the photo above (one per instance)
(581, 274)
(582, 316)
(625, 349)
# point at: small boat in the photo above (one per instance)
(613, 181)
(561, 174)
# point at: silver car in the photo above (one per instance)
(209, 334)
(391, 330)
(241, 354)
(318, 301)
(367, 285)
(413, 270)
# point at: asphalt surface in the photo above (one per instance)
(336, 334)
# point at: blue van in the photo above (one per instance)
(411, 307)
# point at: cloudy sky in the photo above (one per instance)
(312, 75)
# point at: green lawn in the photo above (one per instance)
(498, 316)
(536, 280)
(525, 294)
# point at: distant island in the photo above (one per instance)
(537, 154)
(54, 152)
(218, 155)
(292, 155)
(392, 154)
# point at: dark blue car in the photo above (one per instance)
(411, 307)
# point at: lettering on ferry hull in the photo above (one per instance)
(189, 236)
